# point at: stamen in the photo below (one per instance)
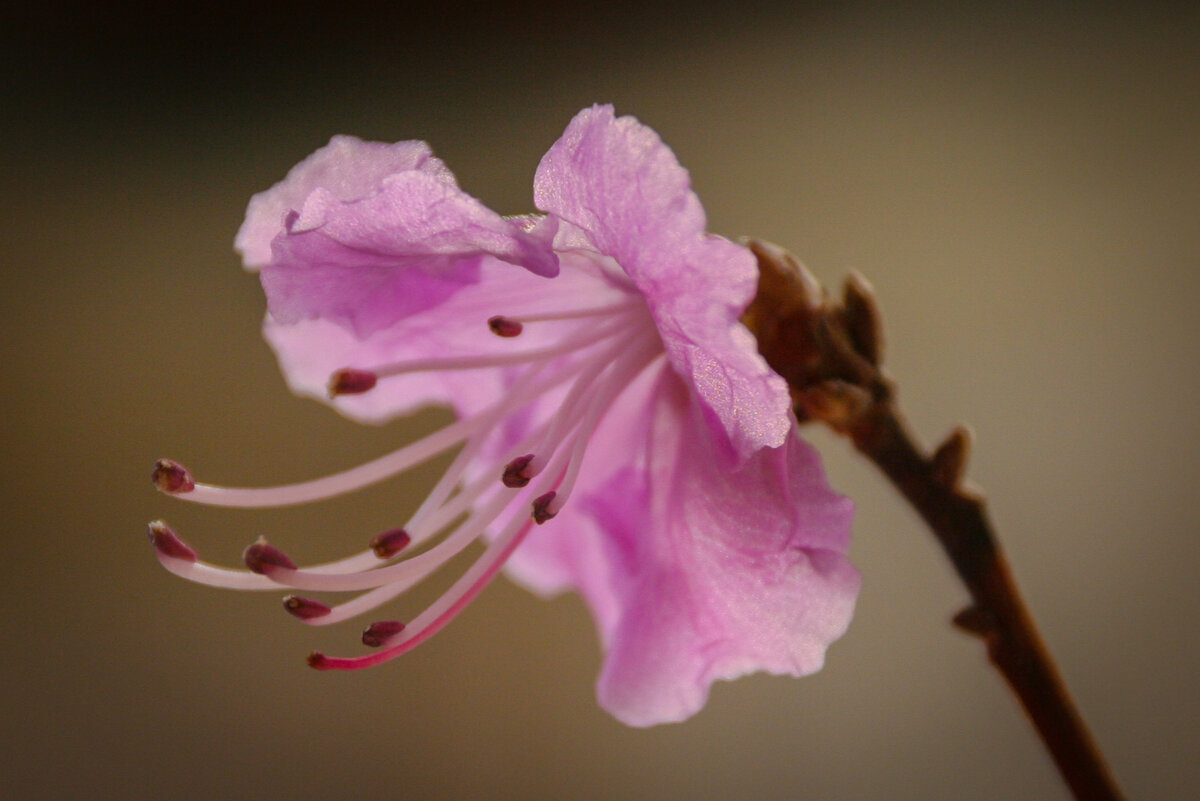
(522, 392)
(515, 474)
(305, 608)
(468, 499)
(407, 572)
(262, 556)
(424, 523)
(504, 326)
(581, 340)
(390, 543)
(449, 480)
(167, 542)
(193, 570)
(421, 526)
(180, 559)
(380, 632)
(350, 381)
(574, 314)
(171, 477)
(443, 610)
(611, 347)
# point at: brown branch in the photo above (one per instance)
(830, 355)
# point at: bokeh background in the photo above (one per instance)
(1021, 185)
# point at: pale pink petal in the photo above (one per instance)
(695, 572)
(616, 180)
(347, 167)
(622, 191)
(370, 263)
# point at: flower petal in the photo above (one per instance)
(347, 167)
(369, 263)
(696, 572)
(750, 575)
(615, 179)
(620, 189)
(747, 405)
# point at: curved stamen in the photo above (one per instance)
(418, 528)
(436, 507)
(409, 571)
(213, 576)
(445, 609)
(181, 559)
(523, 392)
(583, 339)
(372, 599)
(574, 314)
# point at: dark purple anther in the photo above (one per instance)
(305, 608)
(172, 477)
(390, 543)
(516, 472)
(262, 556)
(167, 542)
(541, 507)
(504, 327)
(380, 632)
(349, 381)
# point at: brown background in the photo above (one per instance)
(1022, 187)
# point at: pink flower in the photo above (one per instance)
(603, 385)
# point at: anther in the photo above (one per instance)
(305, 608)
(516, 473)
(261, 556)
(167, 542)
(390, 543)
(542, 507)
(172, 477)
(318, 660)
(380, 632)
(504, 327)
(349, 381)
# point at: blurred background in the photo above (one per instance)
(1022, 186)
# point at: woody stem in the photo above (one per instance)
(830, 353)
(998, 614)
